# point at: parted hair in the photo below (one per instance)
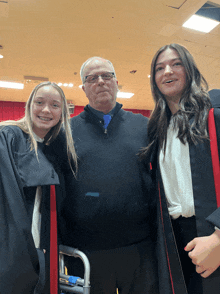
(26, 124)
(194, 103)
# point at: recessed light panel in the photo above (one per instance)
(11, 85)
(200, 23)
(124, 95)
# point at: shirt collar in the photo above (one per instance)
(38, 139)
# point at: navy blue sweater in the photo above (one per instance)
(109, 204)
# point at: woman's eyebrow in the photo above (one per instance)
(178, 58)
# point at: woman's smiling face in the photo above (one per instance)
(170, 75)
(46, 110)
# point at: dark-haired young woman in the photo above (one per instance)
(180, 157)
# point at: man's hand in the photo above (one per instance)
(205, 253)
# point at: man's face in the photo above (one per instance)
(101, 93)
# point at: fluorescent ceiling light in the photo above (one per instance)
(65, 85)
(200, 23)
(11, 85)
(124, 95)
(1, 56)
(80, 86)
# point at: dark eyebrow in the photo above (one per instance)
(178, 58)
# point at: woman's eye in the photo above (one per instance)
(56, 105)
(177, 63)
(158, 69)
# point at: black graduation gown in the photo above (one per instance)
(207, 216)
(21, 265)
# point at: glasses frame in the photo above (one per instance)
(112, 76)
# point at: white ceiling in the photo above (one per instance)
(51, 38)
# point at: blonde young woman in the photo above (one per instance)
(25, 176)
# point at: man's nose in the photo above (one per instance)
(100, 80)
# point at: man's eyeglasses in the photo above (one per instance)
(94, 78)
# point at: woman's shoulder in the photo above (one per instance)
(217, 116)
(12, 129)
(13, 135)
(217, 112)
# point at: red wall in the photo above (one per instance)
(15, 110)
(11, 110)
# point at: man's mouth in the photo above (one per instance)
(102, 92)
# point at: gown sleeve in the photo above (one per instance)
(19, 264)
(214, 218)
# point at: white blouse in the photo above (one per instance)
(36, 218)
(176, 175)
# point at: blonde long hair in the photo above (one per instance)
(26, 124)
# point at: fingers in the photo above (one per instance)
(194, 261)
(190, 245)
(200, 269)
(204, 272)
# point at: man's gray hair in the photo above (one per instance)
(88, 61)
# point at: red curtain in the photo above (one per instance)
(15, 110)
(11, 110)
(77, 110)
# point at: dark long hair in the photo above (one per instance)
(195, 102)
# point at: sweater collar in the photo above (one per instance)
(89, 112)
(100, 113)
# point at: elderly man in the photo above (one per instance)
(109, 209)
